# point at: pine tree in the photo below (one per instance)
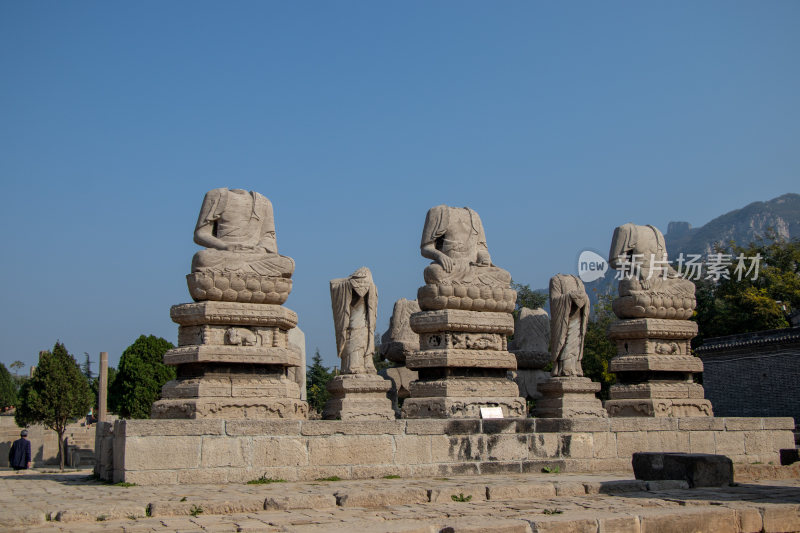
(317, 378)
(140, 376)
(57, 393)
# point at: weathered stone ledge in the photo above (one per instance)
(157, 452)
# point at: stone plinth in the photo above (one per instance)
(359, 397)
(232, 360)
(569, 397)
(463, 365)
(655, 369)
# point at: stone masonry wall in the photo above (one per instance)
(158, 452)
(44, 442)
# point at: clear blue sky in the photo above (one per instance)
(556, 121)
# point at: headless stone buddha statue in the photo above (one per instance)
(454, 239)
(569, 305)
(355, 308)
(238, 230)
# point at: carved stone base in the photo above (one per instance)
(659, 407)
(655, 370)
(463, 365)
(569, 397)
(462, 407)
(232, 362)
(253, 408)
(238, 287)
(359, 397)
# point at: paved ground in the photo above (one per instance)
(73, 501)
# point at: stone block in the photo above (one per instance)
(781, 517)
(521, 491)
(614, 486)
(495, 467)
(537, 467)
(461, 358)
(748, 520)
(461, 320)
(563, 524)
(785, 422)
(351, 450)
(147, 477)
(445, 494)
(758, 442)
(506, 425)
(457, 469)
(225, 451)
(576, 445)
(313, 472)
(570, 488)
(618, 524)
(730, 443)
(162, 453)
(383, 498)
(169, 428)
(543, 445)
(443, 427)
(352, 427)
(667, 441)
(629, 443)
(701, 423)
(224, 313)
(299, 500)
(485, 525)
(605, 444)
(506, 447)
(279, 451)
(203, 476)
(667, 484)
(688, 520)
(261, 427)
(702, 442)
(643, 424)
(741, 424)
(578, 425)
(412, 449)
(379, 471)
(699, 470)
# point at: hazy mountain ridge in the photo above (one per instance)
(743, 226)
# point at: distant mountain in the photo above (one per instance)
(743, 226)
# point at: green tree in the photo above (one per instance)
(140, 376)
(8, 388)
(56, 394)
(731, 305)
(598, 348)
(112, 374)
(527, 297)
(16, 366)
(317, 378)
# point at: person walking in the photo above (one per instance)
(19, 456)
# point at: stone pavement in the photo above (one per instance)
(73, 501)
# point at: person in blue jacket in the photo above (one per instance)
(19, 456)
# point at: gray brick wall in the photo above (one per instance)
(760, 379)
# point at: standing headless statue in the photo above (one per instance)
(358, 393)
(569, 306)
(355, 307)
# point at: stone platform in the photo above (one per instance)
(164, 452)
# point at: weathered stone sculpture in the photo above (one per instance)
(241, 261)
(233, 351)
(650, 288)
(654, 363)
(462, 275)
(531, 346)
(466, 306)
(358, 392)
(400, 340)
(568, 394)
